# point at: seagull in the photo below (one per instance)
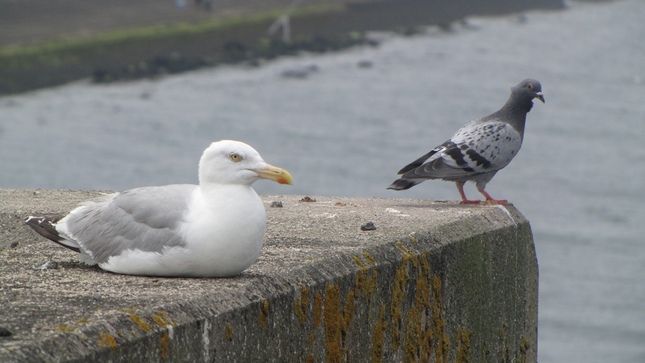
(479, 149)
(214, 229)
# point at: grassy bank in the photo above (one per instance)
(54, 51)
(153, 50)
(54, 62)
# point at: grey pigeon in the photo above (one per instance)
(479, 149)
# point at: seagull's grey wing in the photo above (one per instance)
(478, 147)
(146, 219)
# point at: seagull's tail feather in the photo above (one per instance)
(403, 184)
(46, 227)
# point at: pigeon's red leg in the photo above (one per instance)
(490, 200)
(464, 200)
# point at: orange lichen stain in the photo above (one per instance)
(318, 309)
(264, 314)
(378, 337)
(400, 245)
(369, 258)
(108, 341)
(312, 339)
(506, 349)
(83, 321)
(406, 252)
(425, 263)
(463, 345)
(525, 345)
(426, 348)
(310, 359)
(442, 343)
(301, 305)
(422, 296)
(228, 331)
(502, 331)
(333, 321)
(413, 336)
(165, 345)
(358, 261)
(141, 323)
(400, 281)
(297, 309)
(348, 310)
(304, 296)
(424, 306)
(162, 319)
(65, 328)
(413, 240)
(366, 282)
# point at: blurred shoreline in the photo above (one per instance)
(44, 43)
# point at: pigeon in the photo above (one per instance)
(479, 149)
(214, 229)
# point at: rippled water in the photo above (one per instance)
(346, 129)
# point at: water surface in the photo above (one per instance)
(345, 130)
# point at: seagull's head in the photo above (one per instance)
(234, 162)
(529, 88)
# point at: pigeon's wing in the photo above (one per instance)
(146, 219)
(420, 161)
(478, 147)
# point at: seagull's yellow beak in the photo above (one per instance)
(276, 174)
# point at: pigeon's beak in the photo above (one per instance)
(276, 174)
(540, 97)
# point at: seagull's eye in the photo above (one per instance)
(235, 157)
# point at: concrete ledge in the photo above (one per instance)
(435, 282)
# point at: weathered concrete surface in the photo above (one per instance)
(436, 281)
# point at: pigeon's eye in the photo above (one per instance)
(235, 157)
(529, 86)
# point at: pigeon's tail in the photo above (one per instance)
(420, 161)
(46, 227)
(403, 184)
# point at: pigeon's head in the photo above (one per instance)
(529, 88)
(234, 162)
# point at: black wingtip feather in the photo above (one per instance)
(402, 184)
(417, 163)
(44, 226)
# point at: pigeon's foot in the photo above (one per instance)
(490, 200)
(464, 200)
(470, 201)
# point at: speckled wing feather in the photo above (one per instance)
(478, 147)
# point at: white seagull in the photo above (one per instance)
(214, 229)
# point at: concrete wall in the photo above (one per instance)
(435, 282)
